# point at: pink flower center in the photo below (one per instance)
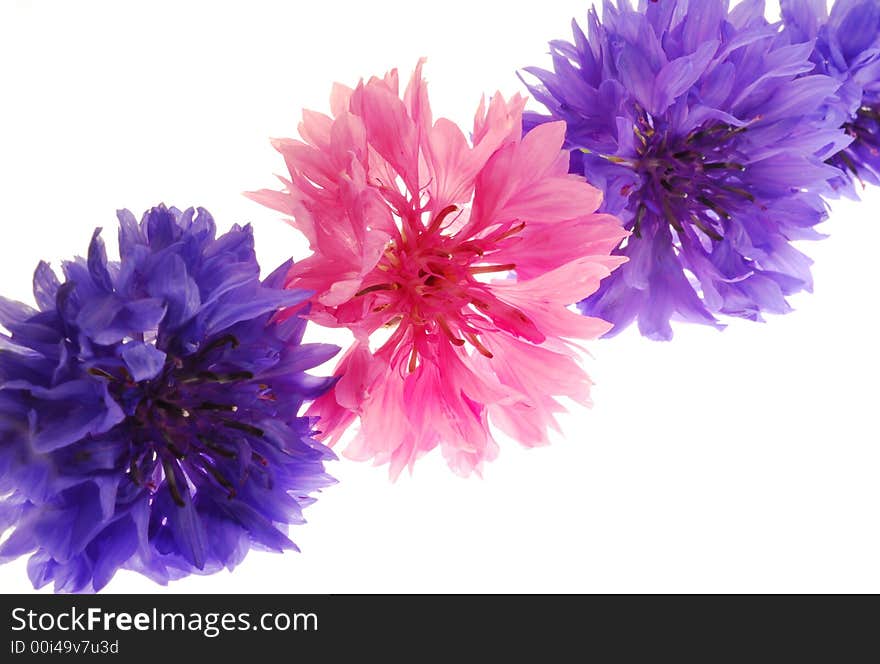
(427, 284)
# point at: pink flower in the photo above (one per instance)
(462, 255)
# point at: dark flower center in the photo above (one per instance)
(183, 416)
(865, 130)
(694, 179)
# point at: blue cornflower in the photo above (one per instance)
(847, 48)
(699, 123)
(148, 408)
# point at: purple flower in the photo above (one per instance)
(148, 408)
(693, 120)
(847, 48)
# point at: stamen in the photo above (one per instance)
(438, 219)
(170, 444)
(171, 408)
(717, 209)
(478, 345)
(377, 287)
(222, 378)
(246, 428)
(214, 447)
(706, 229)
(724, 165)
(844, 157)
(176, 496)
(733, 131)
(210, 405)
(390, 256)
(739, 191)
(619, 160)
(439, 254)
(708, 131)
(471, 247)
(135, 472)
(486, 269)
(670, 216)
(448, 331)
(640, 215)
(479, 304)
(226, 339)
(221, 480)
(513, 230)
(96, 371)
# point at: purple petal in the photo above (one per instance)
(144, 361)
(97, 263)
(46, 286)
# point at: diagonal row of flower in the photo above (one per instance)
(155, 411)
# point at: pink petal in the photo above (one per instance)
(315, 128)
(451, 164)
(392, 132)
(416, 98)
(277, 200)
(544, 247)
(340, 97)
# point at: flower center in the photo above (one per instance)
(865, 130)
(696, 179)
(182, 416)
(429, 282)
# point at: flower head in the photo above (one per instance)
(148, 408)
(463, 255)
(847, 48)
(697, 122)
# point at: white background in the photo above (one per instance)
(738, 461)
